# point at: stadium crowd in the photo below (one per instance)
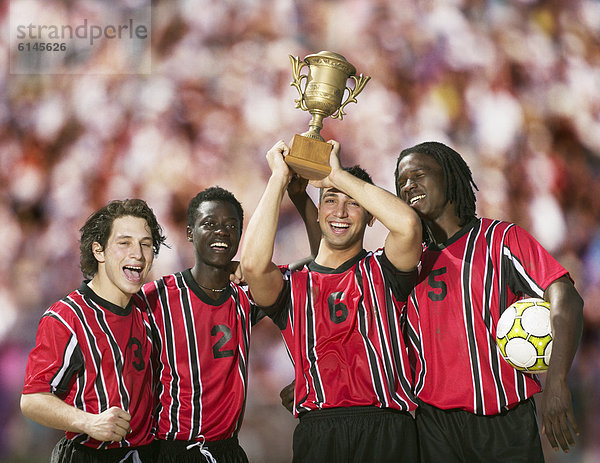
(512, 85)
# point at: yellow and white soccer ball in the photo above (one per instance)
(524, 335)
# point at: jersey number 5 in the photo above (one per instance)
(439, 285)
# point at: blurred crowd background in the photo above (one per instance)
(512, 85)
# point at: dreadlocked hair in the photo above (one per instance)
(459, 180)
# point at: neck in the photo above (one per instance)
(443, 229)
(109, 292)
(211, 279)
(333, 258)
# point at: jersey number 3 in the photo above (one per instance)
(136, 348)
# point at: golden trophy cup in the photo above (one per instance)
(325, 85)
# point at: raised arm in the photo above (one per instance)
(262, 275)
(566, 315)
(307, 210)
(111, 425)
(403, 243)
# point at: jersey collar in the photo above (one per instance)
(313, 266)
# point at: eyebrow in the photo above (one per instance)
(413, 170)
(124, 236)
(215, 217)
(335, 192)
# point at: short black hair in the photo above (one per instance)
(360, 173)
(98, 227)
(459, 179)
(213, 193)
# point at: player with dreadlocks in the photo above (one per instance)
(473, 406)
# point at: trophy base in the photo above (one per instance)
(309, 158)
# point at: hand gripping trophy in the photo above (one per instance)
(325, 85)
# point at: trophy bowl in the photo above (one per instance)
(322, 95)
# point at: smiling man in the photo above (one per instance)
(339, 317)
(202, 325)
(474, 406)
(89, 373)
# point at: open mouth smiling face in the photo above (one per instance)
(216, 232)
(413, 200)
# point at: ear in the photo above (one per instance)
(190, 235)
(371, 221)
(98, 251)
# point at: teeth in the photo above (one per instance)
(132, 268)
(219, 244)
(416, 198)
(340, 225)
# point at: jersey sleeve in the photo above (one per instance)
(401, 283)
(278, 311)
(53, 363)
(529, 268)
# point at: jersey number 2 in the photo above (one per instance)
(226, 331)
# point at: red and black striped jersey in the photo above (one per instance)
(342, 329)
(95, 355)
(203, 349)
(463, 287)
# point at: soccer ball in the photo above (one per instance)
(524, 335)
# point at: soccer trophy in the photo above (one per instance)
(325, 85)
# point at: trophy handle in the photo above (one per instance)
(297, 65)
(359, 84)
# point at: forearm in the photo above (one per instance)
(309, 214)
(386, 207)
(567, 326)
(263, 277)
(566, 316)
(111, 425)
(403, 243)
(259, 239)
(48, 410)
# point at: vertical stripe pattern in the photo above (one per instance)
(95, 355)
(342, 330)
(203, 347)
(452, 313)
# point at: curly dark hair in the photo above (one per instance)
(459, 180)
(213, 193)
(98, 227)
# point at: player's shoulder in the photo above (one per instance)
(66, 310)
(165, 281)
(486, 223)
(240, 288)
(69, 303)
(503, 227)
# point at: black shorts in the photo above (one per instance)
(458, 436)
(355, 434)
(223, 451)
(67, 451)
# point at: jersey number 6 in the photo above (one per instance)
(338, 312)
